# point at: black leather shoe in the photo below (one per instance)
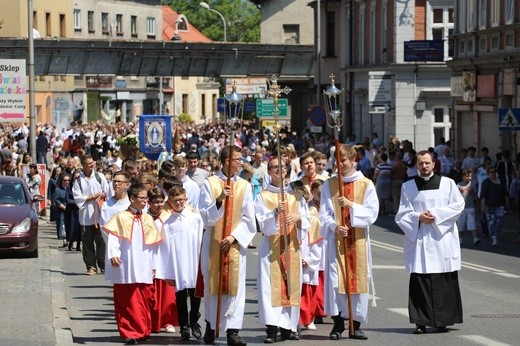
(287, 334)
(442, 330)
(130, 341)
(318, 320)
(209, 335)
(358, 335)
(272, 332)
(234, 340)
(196, 331)
(185, 333)
(419, 329)
(339, 327)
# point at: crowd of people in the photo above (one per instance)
(178, 228)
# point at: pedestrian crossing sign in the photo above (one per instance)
(509, 119)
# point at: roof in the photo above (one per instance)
(169, 29)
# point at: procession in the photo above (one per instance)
(178, 227)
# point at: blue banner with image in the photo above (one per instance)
(155, 133)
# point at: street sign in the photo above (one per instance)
(509, 119)
(13, 94)
(265, 107)
(318, 116)
(379, 91)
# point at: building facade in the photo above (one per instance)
(391, 88)
(485, 77)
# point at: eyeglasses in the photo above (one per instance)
(178, 200)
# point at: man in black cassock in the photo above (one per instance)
(429, 208)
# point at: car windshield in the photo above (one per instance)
(12, 194)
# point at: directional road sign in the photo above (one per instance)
(265, 107)
(509, 119)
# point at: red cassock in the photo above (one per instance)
(320, 295)
(164, 311)
(132, 305)
(308, 304)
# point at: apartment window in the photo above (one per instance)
(119, 24)
(63, 78)
(495, 41)
(462, 47)
(104, 23)
(461, 16)
(441, 28)
(438, 115)
(77, 20)
(482, 13)
(384, 28)
(185, 105)
(214, 101)
(203, 106)
(470, 46)
(150, 26)
(182, 25)
(361, 35)
(42, 78)
(330, 34)
(63, 28)
(495, 12)
(509, 11)
(35, 20)
(510, 39)
(90, 20)
(56, 78)
(471, 12)
(133, 26)
(291, 34)
(483, 44)
(48, 24)
(372, 34)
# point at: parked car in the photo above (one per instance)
(18, 218)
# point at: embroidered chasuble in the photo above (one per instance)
(122, 224)
(314, 233)
(281, 293)
(356, 252)
(231, 263)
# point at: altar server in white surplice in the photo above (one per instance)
(280, 266)
(178, 260)
(232, 240)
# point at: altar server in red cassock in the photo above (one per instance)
(132, 245)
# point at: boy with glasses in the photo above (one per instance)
(132, 245)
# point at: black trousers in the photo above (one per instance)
(182, 307)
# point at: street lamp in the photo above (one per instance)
(207, 7)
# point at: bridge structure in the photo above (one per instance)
(166, 58)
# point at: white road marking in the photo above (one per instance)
(466, 265)
(479, 339)
(382, 266)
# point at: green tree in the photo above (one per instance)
(242, 18)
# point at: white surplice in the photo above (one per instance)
(232, 308)
(361, 216)
(137, 259)
(431, 248)
(284, 317)
(178, 255)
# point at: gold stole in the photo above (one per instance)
(231, 264)
(122, 226)
(278, 268)
(357, 256)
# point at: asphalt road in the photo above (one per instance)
(50, 301)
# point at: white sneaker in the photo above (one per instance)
(169, 329)
(494, 241)
(311, 326)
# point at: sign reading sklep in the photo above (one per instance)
(13, 96)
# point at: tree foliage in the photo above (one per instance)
(242, 18)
